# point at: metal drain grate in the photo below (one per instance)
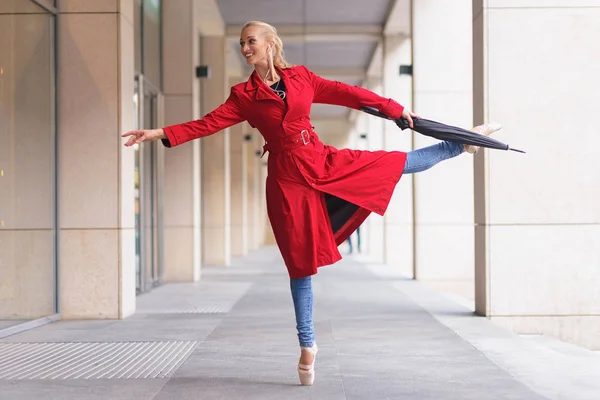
(93, 360)
(213, 308)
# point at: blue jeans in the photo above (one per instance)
(422, 159)
(302, 294)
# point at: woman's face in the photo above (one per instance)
(253, 45)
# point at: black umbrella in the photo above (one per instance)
(444, 132)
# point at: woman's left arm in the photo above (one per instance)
(342, 94)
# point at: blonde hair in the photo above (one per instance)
(271, 34)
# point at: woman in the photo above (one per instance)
(316, 195)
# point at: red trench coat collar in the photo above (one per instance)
(256, 82)
(258, 90)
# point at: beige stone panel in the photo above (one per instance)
(126, 9)
(214, 180)
(375, 224)
(444, 193)
(177, 61)
(450, 107)
(260, 192)
(179, 168)
(254, 197)
(178, 109)
(127, 155)
(88, 6)
(269, 238)
(208, 18)
(19, 7)
(399, 248)
(399, 215)
(400, 207)
(452, 44)
(375, 237)
(178, 191)
(179, 255)
(582, 330)
(237, 240)
(237, 190)
(25, 98)
(216, 169)
(88, 111)
(127, 292)
(545, 109)
(252, 200)
(545, 270)
(197, 207)
(89, 274)
(265, 230)
(482, 283)
(445, 252)
(246, 189)
(215, 246)
(127, 188)
(26, 274)
(460, 289)
(542, 4)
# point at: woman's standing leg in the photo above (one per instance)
(302, 296)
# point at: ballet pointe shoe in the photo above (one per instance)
(306, 373)
(486, 130)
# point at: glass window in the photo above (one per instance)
(151, 51)
(137, 38)
(148, 173)
(27, 165)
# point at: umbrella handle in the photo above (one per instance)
(374, 111)
(401, 122)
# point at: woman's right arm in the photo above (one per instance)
(224, 116)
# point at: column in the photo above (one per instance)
(443, 208)
(537, 215)
(375, 139)
(96, 172)
(251, 160)
(27, 162)
(398, 221)
(256, 185)
(265, 232)
(216, 165)
(358, 138)
(182, 199)
(238, 189)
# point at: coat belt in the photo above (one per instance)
(289, 142)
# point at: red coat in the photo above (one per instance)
(317, 195)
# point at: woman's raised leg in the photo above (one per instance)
(422, 159)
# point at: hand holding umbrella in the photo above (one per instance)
(442, 131)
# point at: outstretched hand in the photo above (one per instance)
(143, 135)
(407, 115)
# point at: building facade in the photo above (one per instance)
(86, 224)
